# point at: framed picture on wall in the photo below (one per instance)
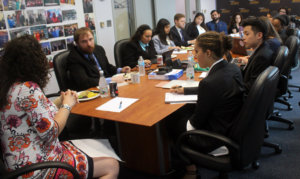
(53, 16)
(2, 21)
(34, 3)
(89, 21)
(55, 31)
(14, 4)
(58, 45)
(39, 32)
(36, 16)
(70, 29)
(69, 15)
(71, 2)
(46, 48)
(1, 5)
(16, 19)
(87, 6)
(51, 2)
(19, 32)
(3, 37)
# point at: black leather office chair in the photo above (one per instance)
(4, 174)
(61, 72)
(246, 136)
(118, 51)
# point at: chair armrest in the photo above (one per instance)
(232, 146)
(39, 166)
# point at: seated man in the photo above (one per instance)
(255, 31)
(178, 33)
(216, 24)
(280, 23)
(86, 60)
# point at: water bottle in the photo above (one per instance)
(141, 65)
(191, 56)
(103, 87)
(190, 73)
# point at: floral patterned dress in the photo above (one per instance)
(29, 134)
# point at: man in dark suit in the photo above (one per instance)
(255, 31)
(178, 32)
(86, 60)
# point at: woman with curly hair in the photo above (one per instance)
(31, 123)
(235, 25)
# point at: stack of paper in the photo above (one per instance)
(203, 75)
(180, 98)
(183, 83)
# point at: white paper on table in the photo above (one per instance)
(180, 98)
(203, 75)
(179, 52)
(116, 104)
(96, 148)
(183, 83)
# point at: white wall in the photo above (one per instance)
(143, 13)
(161, 12)
(105, 35)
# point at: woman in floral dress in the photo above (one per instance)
(30, 123)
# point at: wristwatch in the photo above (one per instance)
(66, 106)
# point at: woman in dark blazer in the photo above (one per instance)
(197, 27)
(235, 25)
(140, 45)
(220, 94)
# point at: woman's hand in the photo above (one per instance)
(177, 89)
(69, 97)
(175, 48)
(243, 60)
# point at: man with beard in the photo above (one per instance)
(86, 60)
(216, 24)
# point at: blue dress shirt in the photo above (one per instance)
(218, 27)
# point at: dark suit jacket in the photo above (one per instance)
(132, 51)
(176, 37)
(220, 96)
(257, 63)
(83, 73)
(192, 31)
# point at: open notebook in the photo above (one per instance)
(180, 98)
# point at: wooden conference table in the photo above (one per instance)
(142, 136)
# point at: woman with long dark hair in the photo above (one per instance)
(235, 25)
(140, 45)
(30, 122)
(162, 39)
(197, 27)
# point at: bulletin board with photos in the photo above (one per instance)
(51, 22)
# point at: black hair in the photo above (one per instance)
(139, 32)
(284, 20)
(286, 10)
(160, 31)
(214, 11)
(203, 23)
(257, 25)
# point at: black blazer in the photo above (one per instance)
(192, 31)
(220, 96)
(257, 63)
(176, 37)
(83, 73)
(132, 51)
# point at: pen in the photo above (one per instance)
(176, 87)
(120, 106)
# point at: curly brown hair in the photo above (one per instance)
(22, 60)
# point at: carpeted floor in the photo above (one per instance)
(272, 166)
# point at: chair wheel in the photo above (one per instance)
(291, 127)
(278, 114)
(291, 96)
(278, 150)
(285, 98)
(299, 103)
(255, 165)
(290, 108)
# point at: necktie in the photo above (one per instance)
(182, 38)
(92, 60)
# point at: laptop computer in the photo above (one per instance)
(238, 47)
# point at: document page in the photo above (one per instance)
(183, 83)
(116, 104)
(180, 98)
(96, 147)
(203, 75)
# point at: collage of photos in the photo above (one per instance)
(69, 15)
(13, 4)
(34, 3)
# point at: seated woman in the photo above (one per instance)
(236, 24)
(273, 38)
(197, 27)
(140, 45)
(220, 94)
(31, 123)
(162, 39)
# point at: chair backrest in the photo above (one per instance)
(281, 57)
(249, 127)
(293, 31)
(293, 44)
(119, 45)
(61, 72)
